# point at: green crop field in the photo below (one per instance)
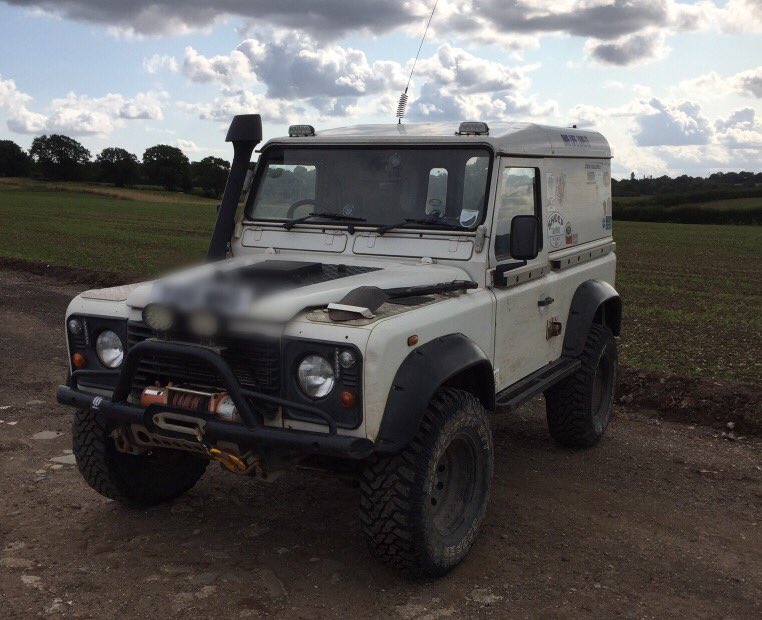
(121, 236)
(692, 296)
(692, 293)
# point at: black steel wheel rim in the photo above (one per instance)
(454, 485)
(601, 392)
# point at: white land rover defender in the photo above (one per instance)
(372, 295)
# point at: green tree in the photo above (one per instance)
(14, 162)
(210, 174)
(59, 157)
(166, 166)
(117, 166)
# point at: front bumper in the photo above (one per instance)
(252, 433)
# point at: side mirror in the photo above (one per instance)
(525, 237)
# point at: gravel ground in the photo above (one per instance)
(660, 520)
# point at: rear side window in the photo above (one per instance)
(517, 195)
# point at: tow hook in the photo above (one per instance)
(229, 461)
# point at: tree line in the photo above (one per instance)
(61, 158)
(739, 182)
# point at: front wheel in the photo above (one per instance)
(579, 407)
(421, 508)
(146, 479)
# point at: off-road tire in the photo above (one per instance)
(579, 408)
(422, 507)
(143, 480)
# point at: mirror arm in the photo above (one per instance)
(498, 276)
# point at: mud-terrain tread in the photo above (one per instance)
(97, 462)
(568, 402)
(389, 495)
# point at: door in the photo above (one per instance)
(525, 305)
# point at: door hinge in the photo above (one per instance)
(479, 239)
(553, 329)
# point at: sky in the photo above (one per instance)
(674, 85)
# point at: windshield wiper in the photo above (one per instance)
(412, 220)
(328, 216)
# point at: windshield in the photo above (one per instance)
(444, 187)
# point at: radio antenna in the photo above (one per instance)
(404, 96)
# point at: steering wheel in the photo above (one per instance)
(300, 203)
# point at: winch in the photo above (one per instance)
(219, 404)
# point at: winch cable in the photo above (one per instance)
(404, 96)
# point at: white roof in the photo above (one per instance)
(508, 138)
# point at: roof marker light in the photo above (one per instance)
(301, 131)
(472, 128)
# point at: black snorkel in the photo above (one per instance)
(245, 133)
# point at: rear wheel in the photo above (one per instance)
(150, 478)
(579, 407)
(421, 509)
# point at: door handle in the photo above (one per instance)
(545, 302)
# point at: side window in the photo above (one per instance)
(436, 196)
(282, 185)
(517, 195)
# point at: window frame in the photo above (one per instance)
(537, 206)
(263, 154)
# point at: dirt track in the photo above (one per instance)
(660, 520)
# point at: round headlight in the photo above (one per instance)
(109, 348)
(159, 318)
(315, 376)
(204, 324)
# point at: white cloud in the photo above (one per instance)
(742, 16)
(231, 69)
(292, 64)
(654, 136)
(712, 85)
(584, 115)
(241, 101)
(143, 106)
(740, 130)
(439, 104)
(78, 114)
(462, 72)
(634, 49)
(749, 82)
(157, 62)
(337, 81)
(187, 146)
(672, 124)
(456, 85)
(14, 103)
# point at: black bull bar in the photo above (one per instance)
(251, 433)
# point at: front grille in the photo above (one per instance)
(255, 361)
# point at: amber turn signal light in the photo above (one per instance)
(348, 399)
(411, 340)
(78, 360)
